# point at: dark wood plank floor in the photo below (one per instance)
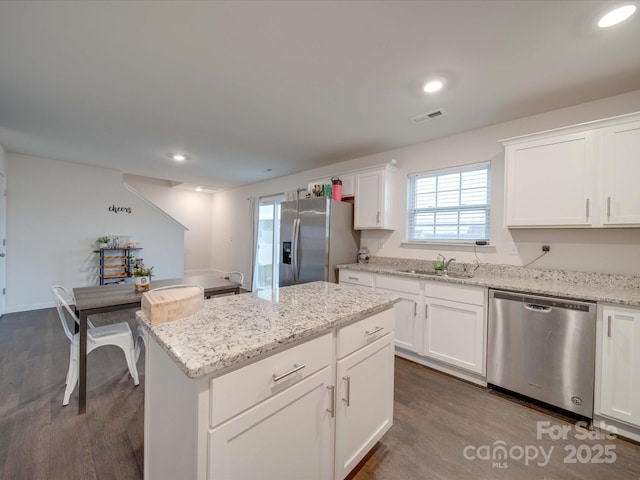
(436, 418)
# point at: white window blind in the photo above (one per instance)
(449, 205)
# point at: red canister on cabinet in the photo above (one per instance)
(336, 188)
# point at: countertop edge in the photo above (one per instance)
(252, 355)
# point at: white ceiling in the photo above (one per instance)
(246, 86)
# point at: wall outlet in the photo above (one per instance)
(546, 248)
(513, 250)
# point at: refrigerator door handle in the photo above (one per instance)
(294, 249)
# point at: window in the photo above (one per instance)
(449, 205)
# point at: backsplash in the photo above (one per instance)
(592, 279)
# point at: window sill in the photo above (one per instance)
(455, 246)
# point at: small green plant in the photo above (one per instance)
(104, 239)
(143, 271)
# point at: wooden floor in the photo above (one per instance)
(437, 419)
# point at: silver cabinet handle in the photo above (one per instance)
(426, 311)
(348, 399)
(332, 410)
(374, 331)
(609, 326)
(587, 209)
(608, 208)
(296, 368)
(415, 308)
(354, 278)
(378, 218)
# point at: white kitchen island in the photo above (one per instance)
(290, 383)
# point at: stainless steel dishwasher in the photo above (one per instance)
(543, 348)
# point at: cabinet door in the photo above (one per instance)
(369, 201)
(455, 334)
(287, 436)
(408, 321)
(621, 171)
(551, 182)
(620, 372)
(364, 402)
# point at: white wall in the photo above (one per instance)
(3, 162)
(56, 211)
(192, 209)
(605, 250)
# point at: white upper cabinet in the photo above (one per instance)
(550, 181)
(374, 192)
(621, 195)
(579, 176)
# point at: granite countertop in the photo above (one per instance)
(230, 331)
(588, 286)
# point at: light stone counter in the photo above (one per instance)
(232, 331)
(615, 289)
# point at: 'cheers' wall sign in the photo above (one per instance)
(115, 209)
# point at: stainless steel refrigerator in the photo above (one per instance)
(316, 234)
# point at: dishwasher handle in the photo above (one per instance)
(536, 308)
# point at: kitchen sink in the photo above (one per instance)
(431, 273)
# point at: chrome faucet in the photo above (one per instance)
(445, 263)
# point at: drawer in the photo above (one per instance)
(364, 279)
(239, 390)
(362, 333)
(456, 293)
(403, 285)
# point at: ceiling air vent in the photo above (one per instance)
(428, 116)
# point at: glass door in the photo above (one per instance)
(265, 274)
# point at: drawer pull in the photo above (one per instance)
(296, 368)
(348, 399)
(332, 410)
(354, 278)
(374, 331)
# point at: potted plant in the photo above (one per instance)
(142, 276)
(103, 242)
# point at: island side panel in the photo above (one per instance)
(174, 419)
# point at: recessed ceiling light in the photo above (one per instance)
(616, 16)
(178, 157)
(432, 86)
(207, 189)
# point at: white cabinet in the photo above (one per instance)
(621, 195)
(355, 278)
(456, 325)
(550, 181)
(287, 436)
(364, 390)
(310, 411)
(409, 312)
(578, 176)
(619, 382)
(374, 193)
